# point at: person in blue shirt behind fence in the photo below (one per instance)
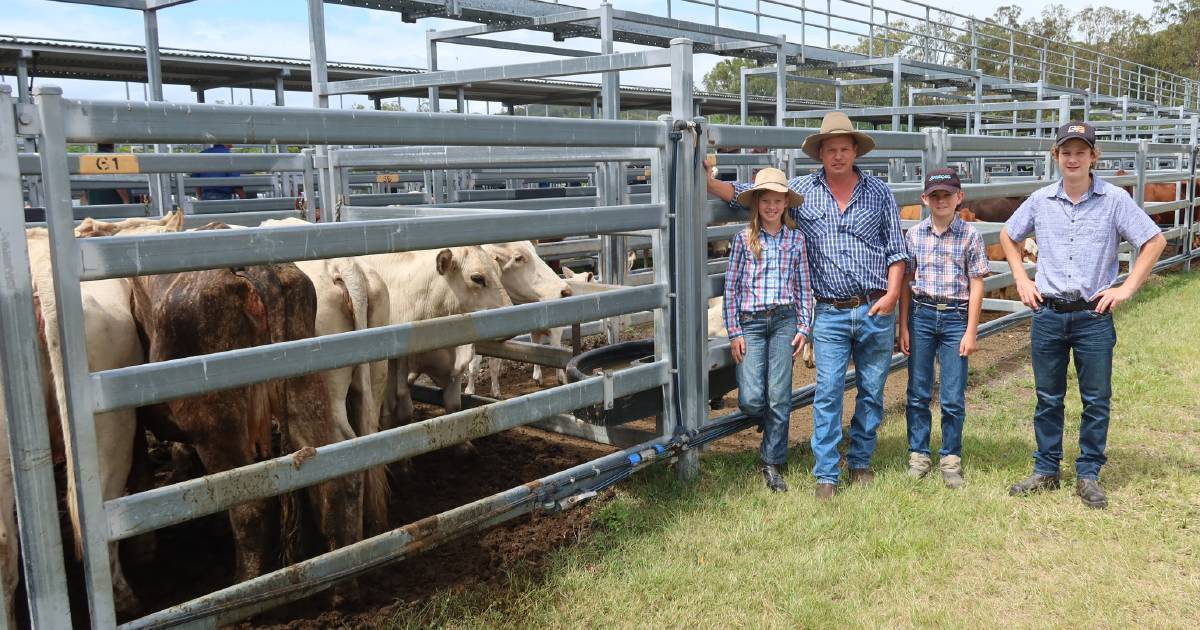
(939, 317)
(852, 228)
(768, 312)
(1079, 222)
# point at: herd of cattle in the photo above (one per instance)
(130, 321)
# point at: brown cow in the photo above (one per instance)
(995, 209)
(1164, 191)
(189, 314)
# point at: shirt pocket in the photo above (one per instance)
(867, 226)
(812, 221)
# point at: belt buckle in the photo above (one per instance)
(942, 306)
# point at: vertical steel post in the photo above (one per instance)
(974, 48)
(1139, 196)
(1012, 56)
(27, 432)
(934, 155)
(319, 71)
(158, 186)
(871, 32)
(978, 100)
(612, 248)
(81, 425)
(23, 58)
(663, 168)
(744, 97)
(279, 94)
(897, 80)
(689, 307)
(781, 82)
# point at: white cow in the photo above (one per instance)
(112, 342)
(716, 317)
(352, 296)
(428, 284)
(527, 278)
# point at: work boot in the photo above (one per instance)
(918, 465)
(1091, 493)
(862, 476)
(825, 491)
(951, 466)
(775, 482)
(1033, 483)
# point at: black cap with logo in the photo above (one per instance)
(1076, 130)
(942, 179)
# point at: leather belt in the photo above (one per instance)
(939, 304)
(1070, 306)
(853, 301)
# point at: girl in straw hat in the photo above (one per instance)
(768, 312)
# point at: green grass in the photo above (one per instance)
(724, 552)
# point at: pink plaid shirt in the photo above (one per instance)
(779, 277)
(943, 264)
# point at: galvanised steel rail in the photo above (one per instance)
(666, 218)
(1073, 65)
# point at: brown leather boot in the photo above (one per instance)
(825, 491)
(862, 476)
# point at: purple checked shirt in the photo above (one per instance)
(943, 264)
(779, 277)
(1077, 242)
(849, 251)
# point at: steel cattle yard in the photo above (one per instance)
(374, 182)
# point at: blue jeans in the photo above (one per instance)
(1091, 337)
(765, 376)
(838, 335)
(933, 333)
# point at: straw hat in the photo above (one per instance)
(836, 124)
(770, 179)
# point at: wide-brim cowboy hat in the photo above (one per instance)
(770, 179)
(836, 124)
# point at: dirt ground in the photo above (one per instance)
(200, 553)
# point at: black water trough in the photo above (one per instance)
(642, 404)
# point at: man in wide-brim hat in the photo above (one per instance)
(856, 259)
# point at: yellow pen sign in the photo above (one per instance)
(390, 178)
(108, 163)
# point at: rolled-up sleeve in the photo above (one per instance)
(733, 284)
(739, 188)
(893, 237)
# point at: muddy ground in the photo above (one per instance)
(200, 554)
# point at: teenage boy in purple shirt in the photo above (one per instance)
(939, 317)
(1079, 221)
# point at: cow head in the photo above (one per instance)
(587, 276)
(473, 276)
(526, 277)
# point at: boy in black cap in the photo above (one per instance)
(940, 304)
(1080, 221)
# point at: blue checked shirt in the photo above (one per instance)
(943, 264)
(779, 277)
(849, 253)
(1077, 242)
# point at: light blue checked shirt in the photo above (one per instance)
(1077, 242)
(848, 253)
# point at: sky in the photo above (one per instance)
(279, 28)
